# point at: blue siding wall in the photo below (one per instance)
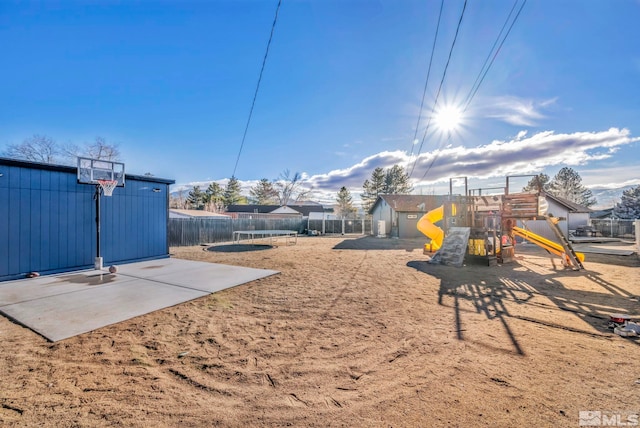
(47, 220)
(134, 222)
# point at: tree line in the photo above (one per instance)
(291, 188)
(287, 189)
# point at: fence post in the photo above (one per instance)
(323, 224)
(637, 222)
(343, 226)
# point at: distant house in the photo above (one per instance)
(177, 213)
(311, 211)
(573, 215)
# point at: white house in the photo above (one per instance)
(574, 216)
(176, 213)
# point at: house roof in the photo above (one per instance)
(413, 203)
(603, 213)
(196, 213)
(571, 206)
(410, 203)
(264, 209)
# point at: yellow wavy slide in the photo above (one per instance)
(427, 227)
(541, 241)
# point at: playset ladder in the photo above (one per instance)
(568, 249)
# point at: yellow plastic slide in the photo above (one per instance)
(426, 226)
(541, 241)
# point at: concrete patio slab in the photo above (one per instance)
(65, 315)
(46, 286)
(62, 306)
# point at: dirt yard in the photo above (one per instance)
(353, 332)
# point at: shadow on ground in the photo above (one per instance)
(374, 243)
(238, 248)
(492, 291)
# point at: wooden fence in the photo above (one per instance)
(196, 231)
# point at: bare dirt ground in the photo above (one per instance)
(353, 332)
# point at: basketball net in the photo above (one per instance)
(108, 186)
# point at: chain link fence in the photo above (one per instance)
(343, 226)
(614, 228)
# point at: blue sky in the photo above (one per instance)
(172, 82)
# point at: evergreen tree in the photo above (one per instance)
(567, 184)
(196, 197)
(232, 192)
(629, 205)
(214, 197)
(394, 181)
(397, 181)
(345, 203)
(264, 193)
(373, 188)
(537, 184)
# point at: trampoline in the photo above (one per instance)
(290, 236)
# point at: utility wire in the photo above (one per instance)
(444, 75)
(496, 54)
(486, 60)
(255, 95)
(426, 82)
(474, 91)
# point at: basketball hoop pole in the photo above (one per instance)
(98, 260)
(105, 175)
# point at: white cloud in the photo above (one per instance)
(514, 110)
(519, 155)
(522, 156)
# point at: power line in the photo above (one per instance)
(473, 92)
(426, 82)
(444, 75)
(496, 53)
(486, 60)
(255, 95)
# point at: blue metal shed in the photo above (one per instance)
(47, 220)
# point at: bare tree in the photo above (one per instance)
(99, 149)
(178, 201)
(38, 148)
(291, 188)
(41, 148)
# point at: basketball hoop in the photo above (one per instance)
(108, 186)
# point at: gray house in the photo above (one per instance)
(397, 216)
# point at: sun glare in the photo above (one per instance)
(448, 119)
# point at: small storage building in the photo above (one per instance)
(48, 220)
(397, 216)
